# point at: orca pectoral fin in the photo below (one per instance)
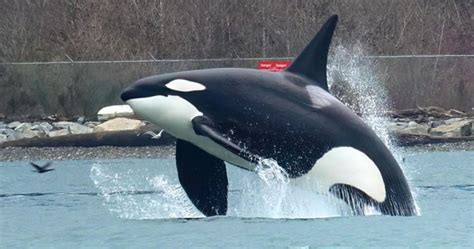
(203, 177)
(204, 127)
(355, 198)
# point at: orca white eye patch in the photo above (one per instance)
(181, 85)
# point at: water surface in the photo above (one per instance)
(138, 203)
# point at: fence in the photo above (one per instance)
(74, 88)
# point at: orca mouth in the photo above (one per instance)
(132, 92)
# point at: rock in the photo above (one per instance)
(23, 127)
(436, 123)
(454, 120)
(466, 130)
(461, 128)
(402, 120)
(43, 126)
(81, 120)
(119, 124)
(458, 113)
(110, 112)
(11, 134)
(56, 133)
(47, 126)
(62, 124)
(13, 124)
(30, 134)
(3, 138)
(22, 131)
(396, 126)
(91, 124)
(73, 128)
(414, 128)
(79, 129)
(3, 125)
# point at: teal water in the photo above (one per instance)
(136, 203)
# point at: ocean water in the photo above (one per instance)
(137, 203)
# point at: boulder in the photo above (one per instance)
(56, 133)
(119, 124)
(73, 128)
(11, 134)
(23, 127)
(414, 128)
(62, 124)
(396, 126)
(114, 111)
(79, 129)
(91, 124)
(3, 138)
(13, 124)
(436, 123)
(461, 128)
(458, 113)
(454, 120)
(30, 134)
(24, 131)
(43, 126)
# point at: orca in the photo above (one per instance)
(241, 116)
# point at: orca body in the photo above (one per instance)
(241, 116)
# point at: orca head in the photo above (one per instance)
(162, 100)
(160, 85)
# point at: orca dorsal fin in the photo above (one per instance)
(312, 62)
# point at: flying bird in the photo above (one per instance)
(154, 135)
(41, 169)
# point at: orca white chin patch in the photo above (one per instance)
(185, 85)
(346, 165)
(174, 114)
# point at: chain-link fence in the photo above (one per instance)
(75, 88)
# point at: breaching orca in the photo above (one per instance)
(241, 116)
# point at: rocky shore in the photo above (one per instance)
(84, 153)
(117, 135)
(430, 125)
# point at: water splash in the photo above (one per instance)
(272, 194)
(358, 84)
(168, 199)
(354, 80)
(262, 196)
(267, 194)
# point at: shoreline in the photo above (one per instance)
(11, 154)
(425, 129)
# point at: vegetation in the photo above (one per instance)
(50, 30)
(47, 30)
